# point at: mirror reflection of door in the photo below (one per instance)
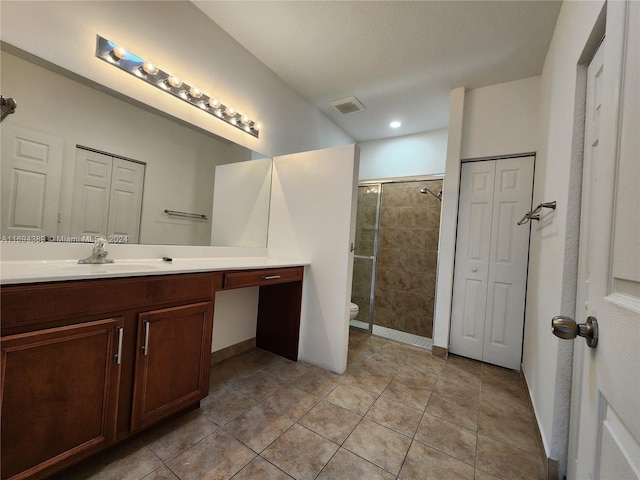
(30, 170)
(107, 197)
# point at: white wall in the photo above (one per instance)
(179, 174)
(501, 119)
(64, 33)
(491, 121)
(410, 155)
(548, 280)
(313, 217)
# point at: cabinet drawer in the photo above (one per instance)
(252, 278)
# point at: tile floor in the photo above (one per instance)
(397, 413)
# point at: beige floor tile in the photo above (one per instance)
(258, 427)
(260, 469)
(330, 421)
(426, 463)
(162, 473)
(369, 381)
(216, 457)
(458, 387)
(449, 438)
(467, 364)
(259, 385)
(495, 371)
(376, 364)
(300, 453)
(485, 476)
(395, 416)
(348, 466)
(412, 396)
(225, 404)
(417, 378)
(132, 460)
(352, 398)
(174, 437)
(503, 403)
(287, 370)
(291, 402)
(318, 382)
(459, 410)
(506, 461)
(379, 445)
(515, 431)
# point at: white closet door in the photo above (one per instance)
(490, 273)
(507, 281)
(472, 259)
(31, 169)
(92, 189)
(125, 202)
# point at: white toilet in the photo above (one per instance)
(353, 311)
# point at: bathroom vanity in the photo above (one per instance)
(87, 363)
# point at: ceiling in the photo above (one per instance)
(399, 58)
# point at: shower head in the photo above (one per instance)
(426, 190)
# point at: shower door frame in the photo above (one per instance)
(379, 183)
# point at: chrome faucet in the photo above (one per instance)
(99, 254)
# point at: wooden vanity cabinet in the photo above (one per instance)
(172, 361)
(59, 395)
(74, 376)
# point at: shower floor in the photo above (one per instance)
(390, 333)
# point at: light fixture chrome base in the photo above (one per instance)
(134, 65)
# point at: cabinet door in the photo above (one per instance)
(59, 393)
(172, 361)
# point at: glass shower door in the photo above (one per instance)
(366, 246)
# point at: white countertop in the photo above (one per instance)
(33, 271)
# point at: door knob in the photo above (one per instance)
(567, 328)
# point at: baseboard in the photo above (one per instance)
(439, 352)
(232, 350)
(551, 466)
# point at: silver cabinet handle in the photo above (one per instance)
(270, 277)
(145, 347)
(118, 356)
(568, 329)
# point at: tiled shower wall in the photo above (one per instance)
(407, 256)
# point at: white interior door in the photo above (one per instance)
(91, 192)
(125, 202)
(491, 261)
(31, 169)
(107, 197)
(605, 420)
(473, 246)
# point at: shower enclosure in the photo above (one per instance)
(396, 251)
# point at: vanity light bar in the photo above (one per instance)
(150, 73)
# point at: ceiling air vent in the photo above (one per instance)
(348, 105)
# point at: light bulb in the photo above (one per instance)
(257, 126)
(195, 92)
(118, 53)
(149, 68)
(230, 111)
(245, 120)
(174, 81)
(214, 103)
(395, 124)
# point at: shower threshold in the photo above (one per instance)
(390, 333)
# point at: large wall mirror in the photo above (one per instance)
(79, 160)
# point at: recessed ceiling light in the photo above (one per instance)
(395, 124)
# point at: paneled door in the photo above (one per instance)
(490, 274)
(605, 413)
(107, 196)
(31, 169)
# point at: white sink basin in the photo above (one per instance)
(104, 267)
